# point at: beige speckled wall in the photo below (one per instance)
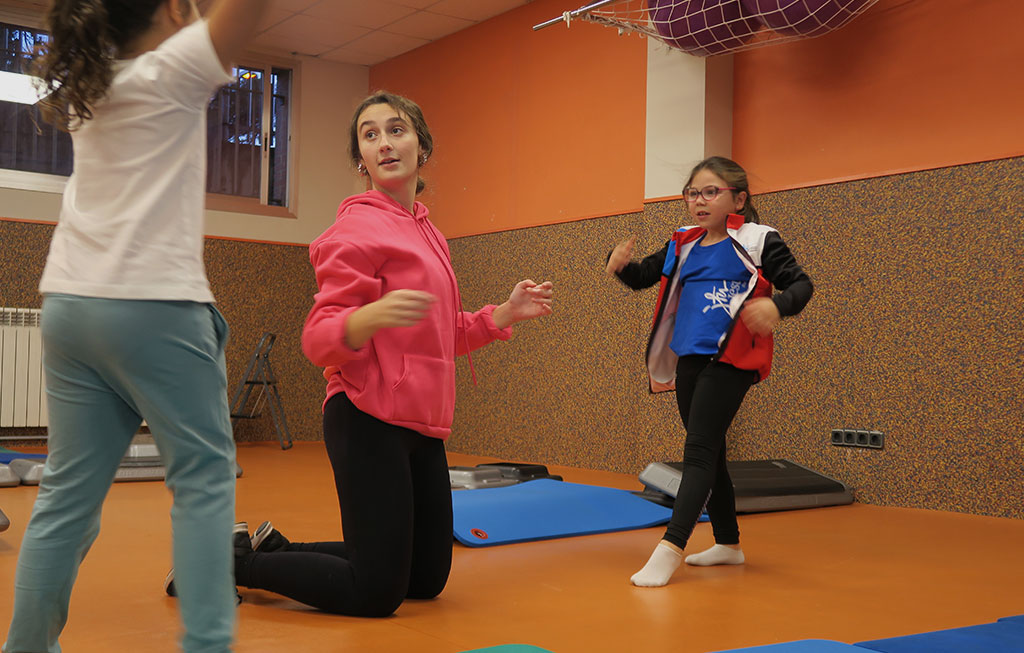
(915, 330)
(259, 287)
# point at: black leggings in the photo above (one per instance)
(709, 395)
(396, 507)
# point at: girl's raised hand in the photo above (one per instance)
(621, 255)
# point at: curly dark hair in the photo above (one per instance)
(76, 65)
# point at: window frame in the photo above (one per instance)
(55, 184)
(19, 179)
(235, 204)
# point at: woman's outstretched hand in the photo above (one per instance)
(398, 308)
(527, 301)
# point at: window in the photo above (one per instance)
(248, 138)
(27, 143)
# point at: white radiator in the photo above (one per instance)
(22, 390)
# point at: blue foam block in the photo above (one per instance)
(999, 637)
(7, 457)
(545, 509)
(803, 646)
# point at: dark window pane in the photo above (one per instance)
(280, 113)
(26, 142)
(234, 136)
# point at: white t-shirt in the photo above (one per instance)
(131, 222)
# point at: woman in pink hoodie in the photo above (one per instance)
(386, 325)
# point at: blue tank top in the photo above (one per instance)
(710, 277)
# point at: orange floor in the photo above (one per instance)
(846, 573)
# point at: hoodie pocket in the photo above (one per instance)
(354, 373)
(425, 391)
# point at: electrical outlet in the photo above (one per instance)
(876, 440)
(863, 438)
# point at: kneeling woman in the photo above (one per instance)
(387, 324)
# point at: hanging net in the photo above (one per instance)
(709, 27)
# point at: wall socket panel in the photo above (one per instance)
(858, 438)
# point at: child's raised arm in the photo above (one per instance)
(232, 24)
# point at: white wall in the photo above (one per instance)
(328, 93)
(689, 115)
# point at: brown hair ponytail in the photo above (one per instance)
(76, 65)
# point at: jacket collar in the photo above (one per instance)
(688, 235)
(734, 222)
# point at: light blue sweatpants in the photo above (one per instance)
(109, 364)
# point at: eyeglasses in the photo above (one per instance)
(690, 194)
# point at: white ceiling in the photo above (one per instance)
(363, 32)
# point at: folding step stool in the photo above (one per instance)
(260, 374)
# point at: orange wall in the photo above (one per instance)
(909, 85)
(529, 127)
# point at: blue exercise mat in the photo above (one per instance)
(801, 646)
(1000, 637)
(545, 509)
(7, 457)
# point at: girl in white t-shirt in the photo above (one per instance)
(130, 331)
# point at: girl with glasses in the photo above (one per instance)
(712, 340)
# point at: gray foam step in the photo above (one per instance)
(7, 476)
(474, 478)
(761, 485)
(29, 471)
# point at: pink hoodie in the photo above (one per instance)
(403, 376)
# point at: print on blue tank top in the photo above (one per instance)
(710, 276)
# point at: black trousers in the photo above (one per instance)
(709, 395)
(396, 507)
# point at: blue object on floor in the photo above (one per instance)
(546, 509)
(510, 648)
(803, 646)
(1016, 619)
(7, 456)
(999, 637)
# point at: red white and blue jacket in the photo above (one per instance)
(769, 262)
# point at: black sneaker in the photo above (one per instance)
(169, 587)
(242, 547)
(169, 583)
(267, 539)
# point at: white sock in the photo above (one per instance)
(659, 568)
(719, 554)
